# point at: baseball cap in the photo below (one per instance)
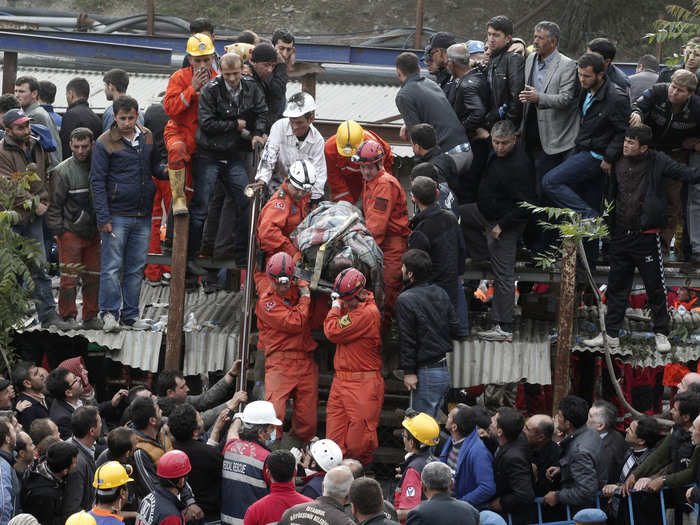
(442, 40)
(475, 46)
(15, 116)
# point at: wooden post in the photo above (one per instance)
(150, 17)
(659, 45)
(173, 345)
(419, 25)
(565, 323)
(9, 71)
(308, 84)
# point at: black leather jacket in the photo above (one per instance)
(471, 100)
(507, 79)
(218, 134)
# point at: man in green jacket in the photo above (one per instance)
(71, 219)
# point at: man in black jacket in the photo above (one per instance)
(66, 389)
(582, 472)
(229, 106)
(577, 182)
(493, 224)
(441, 507)
(79, 493)
(367, 502)
(427, 325)
(511, 467)
(78, 114)
(505, 72)
(30, 386)
(270, 74)
(672, 112)
(436, 58)
(605, 48)
(539, 430)
(640, 211)
(437, 232)
(425, 149)
(44, 483)
(602, 417)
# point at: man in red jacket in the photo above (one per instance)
(285, 336)
(357, 392)
(281, 465)
(344, 177)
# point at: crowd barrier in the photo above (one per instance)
(569, 519)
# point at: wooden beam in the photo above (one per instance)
(9, 71)
(565, 324)
(419, 25)
(176, 312)
(150, 17)
(308, 84)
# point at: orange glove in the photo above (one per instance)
(177, 156)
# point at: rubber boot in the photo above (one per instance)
(177, 188)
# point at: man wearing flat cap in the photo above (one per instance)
(436, 57)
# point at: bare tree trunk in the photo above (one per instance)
(565, 323)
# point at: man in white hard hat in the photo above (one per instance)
(323, 455)
(293, 138)
(247, 446)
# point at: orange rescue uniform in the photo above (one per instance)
(161, 205)
(181, 103)
(290, 369)
(386, 217)
(344, 178)
(357, 392)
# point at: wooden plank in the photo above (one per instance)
(9, 71)
(173, 345)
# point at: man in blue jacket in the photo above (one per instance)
(123, 162)
(468, 457)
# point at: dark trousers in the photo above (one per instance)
(630, 250)
(218, 238)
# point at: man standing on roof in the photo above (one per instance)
(357, 392)
(344, 179)
(285, 335)
(436, 58)
(386, 216)
(293, 138)
(181, 103)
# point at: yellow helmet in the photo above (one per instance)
(348, 137)
(81, 518)
(111, 475)
(241, 49)
(200, 44)
(422, 427)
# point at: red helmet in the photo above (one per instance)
(280, 266)
(174, 464)
(349, 283)
(368, 152)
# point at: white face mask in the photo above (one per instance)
(272, 439)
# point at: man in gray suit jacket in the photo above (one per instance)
(440, 506)
(550, 117)
(646, 76)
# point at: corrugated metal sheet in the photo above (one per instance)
(336, 100)
(211, 345)
(476, 362)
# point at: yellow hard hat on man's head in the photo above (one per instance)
(200, 44)
(111, 475)
(422, 427)
(348, 137)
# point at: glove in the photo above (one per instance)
(177, 156)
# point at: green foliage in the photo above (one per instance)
(570, 225)
(684, 25)
(18, 256)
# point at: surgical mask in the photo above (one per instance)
(272, 439)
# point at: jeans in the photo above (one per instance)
(234, 177)
(433, 384)
(576, 184)
(124, 251)
(45, 304)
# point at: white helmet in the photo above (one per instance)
(302, 175)
(259, 413)
(299, 104)
(326, 453)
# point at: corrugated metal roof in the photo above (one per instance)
(336, 100)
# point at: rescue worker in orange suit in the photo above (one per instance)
(181, 103)
(285, 336)
(344, 177)
(386, 217)
(282, 214)
(357, 392)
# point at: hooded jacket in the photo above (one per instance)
(42, 494)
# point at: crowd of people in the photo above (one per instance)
(497, 124)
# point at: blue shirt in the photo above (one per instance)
(586, 105)
(539, 72)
